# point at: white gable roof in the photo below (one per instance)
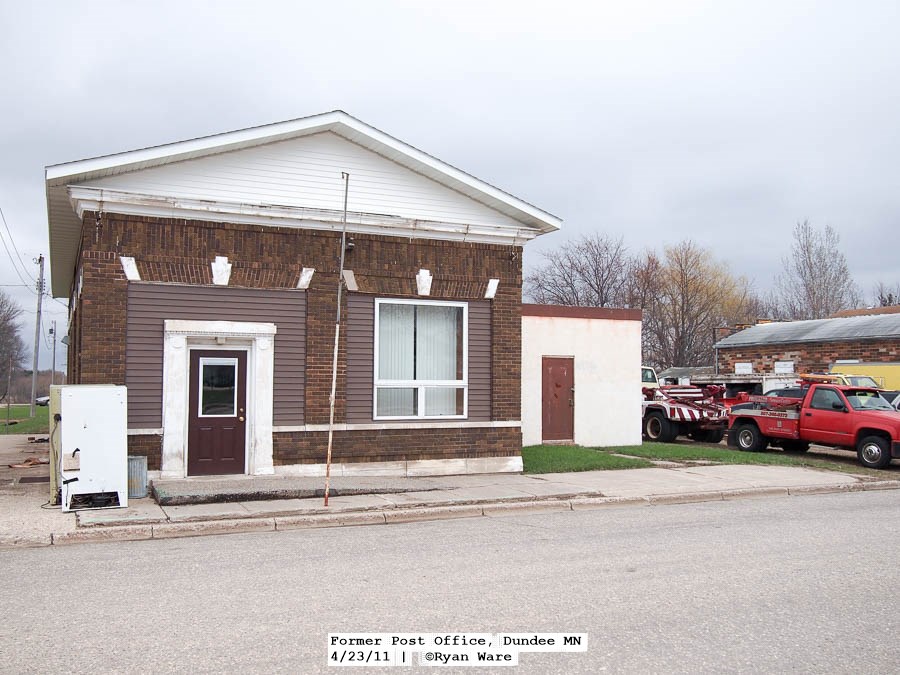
(295, 167)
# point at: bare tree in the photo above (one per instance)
(695, 294)
(886, 296)
(12, 349)
(593, 271)
(816, 281)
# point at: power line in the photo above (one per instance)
(46, 339)
(15, 248)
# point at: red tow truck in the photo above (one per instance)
(852, 418)
(682, 410)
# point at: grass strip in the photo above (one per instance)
(677, 452)
(564, 458)
(26, 425)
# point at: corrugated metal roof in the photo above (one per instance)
(818, 330)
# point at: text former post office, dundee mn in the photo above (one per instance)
(203, 275)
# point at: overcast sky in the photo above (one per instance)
(723, 122)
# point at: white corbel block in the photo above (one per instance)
(423, 282)
(350, 280)
(130, 267)
(221, 270)
(306, 277)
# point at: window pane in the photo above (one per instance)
(218, 389)
(397, 402)
(438, 342)
(444, 401)
(396, 342)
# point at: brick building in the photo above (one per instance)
(203, 275)
(810, 346)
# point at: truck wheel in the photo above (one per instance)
(658, 428)
(714, 436)
(795, 447)
(749, 439)
(873, 452)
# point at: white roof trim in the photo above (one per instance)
(336, 121)
(90, 199)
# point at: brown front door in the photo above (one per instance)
(558, 387)
(217, 412)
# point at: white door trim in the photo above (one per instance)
(258, 340)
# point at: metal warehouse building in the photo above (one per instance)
(812, 346)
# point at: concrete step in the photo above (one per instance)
(203, 490)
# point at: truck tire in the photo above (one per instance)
(873, 452)
(714, 436)
(707, 435)
(748, 438)
(658, 428)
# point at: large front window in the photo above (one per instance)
(420, 359)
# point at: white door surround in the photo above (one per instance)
(258, 340)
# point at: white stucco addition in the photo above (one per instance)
(605, 345)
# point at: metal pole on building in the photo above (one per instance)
(53, 369)
(337, 334)
(37, 332)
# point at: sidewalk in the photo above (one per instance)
(24, 523)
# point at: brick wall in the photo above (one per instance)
(810, 356)
(394, 445)
(178, 251)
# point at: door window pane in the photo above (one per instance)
(218, 395)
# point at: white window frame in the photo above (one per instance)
(218, 361)
(421, 385)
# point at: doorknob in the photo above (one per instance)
(240, 419)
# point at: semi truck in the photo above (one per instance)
(836, 415)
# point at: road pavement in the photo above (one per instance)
(800, 584)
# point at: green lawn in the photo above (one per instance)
(562, 458)
(26, 425)
(688, 452)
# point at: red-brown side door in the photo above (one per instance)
(558, 395)
(217, 414)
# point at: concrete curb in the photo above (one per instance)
(393, 515)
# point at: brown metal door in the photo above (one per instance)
(217, 412)
(558, 387)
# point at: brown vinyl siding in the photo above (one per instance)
(150, 304)
(360, 357)
(480, 361)
(361, 360)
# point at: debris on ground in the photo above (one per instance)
(30, 462)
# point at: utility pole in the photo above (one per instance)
(37, 331)
(53, 369)
(8, 392)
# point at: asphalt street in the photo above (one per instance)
(800, 584)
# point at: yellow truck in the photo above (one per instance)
(886, 375)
